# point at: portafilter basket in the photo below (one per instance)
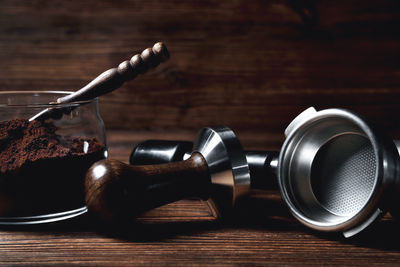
(336, 172)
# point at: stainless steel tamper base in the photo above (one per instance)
(335, 172)
(226, 160)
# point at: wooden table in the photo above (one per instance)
(261, 232)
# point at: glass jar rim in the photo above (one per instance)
(44, 105)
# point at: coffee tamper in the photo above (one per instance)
(262, 164)
(216, 170)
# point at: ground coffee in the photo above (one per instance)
(42, 172)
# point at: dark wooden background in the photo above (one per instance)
(250, 65)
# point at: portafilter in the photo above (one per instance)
(338, 173)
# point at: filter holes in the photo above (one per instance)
(343, 174)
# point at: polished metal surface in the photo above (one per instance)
(397, 142)
(226, 160)
(48, 218)
(344, 165)
(263, 165)
(333, 169)
(160, 151)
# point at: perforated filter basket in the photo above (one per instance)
(337, 173)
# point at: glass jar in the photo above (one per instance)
(43, 162)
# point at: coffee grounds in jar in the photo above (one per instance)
(42, 172)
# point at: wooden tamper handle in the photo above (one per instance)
(112, 79)
(116, 191)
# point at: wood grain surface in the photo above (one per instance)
(261, 232)
(249, 65)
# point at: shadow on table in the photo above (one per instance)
(271, 214)
(384, 235)
(166, 222)
(264, 212)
